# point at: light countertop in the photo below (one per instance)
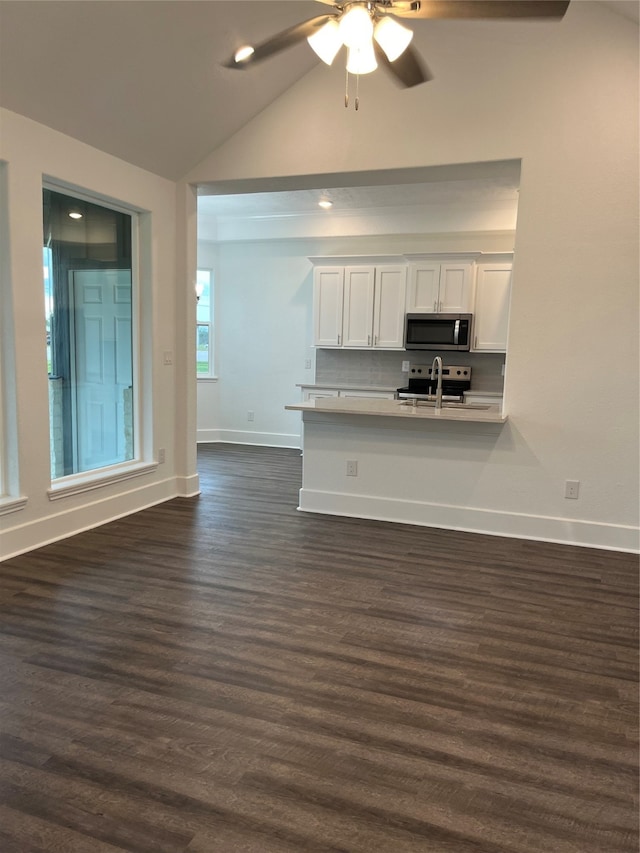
(399, 409)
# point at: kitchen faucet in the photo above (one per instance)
(437, 365)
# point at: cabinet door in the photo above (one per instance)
(319, 394)
(455, 288)
(491, 311)
(357, 321)
(328, 286)
(424, 286)
(389, 307)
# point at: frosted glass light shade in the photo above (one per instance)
(361, 60)
(392, 37)
(326, 41)
(243, 53)
(356, 27)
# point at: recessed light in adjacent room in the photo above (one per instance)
(325, 204)
(75, 214)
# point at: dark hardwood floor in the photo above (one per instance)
(226, 674)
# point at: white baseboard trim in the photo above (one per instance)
(260, 439)
(188, 487)
(30, 535)
(566, 531)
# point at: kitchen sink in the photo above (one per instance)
(432, 404)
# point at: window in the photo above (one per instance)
(204, 324)
(88, 298)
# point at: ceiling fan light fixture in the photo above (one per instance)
(356, 27)
(361, 60)
(243, 53)
(326, 42)
(392, 37)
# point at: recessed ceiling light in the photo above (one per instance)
(75, 214)
(325, 204)
(243, 53)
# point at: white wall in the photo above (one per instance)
(563, 98)
(31, 151)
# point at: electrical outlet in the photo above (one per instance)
(307, 364)
(405, 366)
(161, 456)
(167, 357)
(352, 468)
(251, 416)
(572, 489)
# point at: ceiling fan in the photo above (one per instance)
(372, 36)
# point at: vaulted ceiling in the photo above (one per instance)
(143, 79)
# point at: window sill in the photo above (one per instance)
(76, 484)
(8, 504)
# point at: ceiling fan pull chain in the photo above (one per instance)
(346, 89)
(357, 91)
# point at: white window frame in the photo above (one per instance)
(10, 498)
(142, 462)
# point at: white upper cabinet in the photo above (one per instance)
(389, 307)
(328, 289)
(357, 322)
(360, 306)
(440, 286)
(491, 309)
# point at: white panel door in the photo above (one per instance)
(358, 306)
(455, 288)
(491, 310)
(424, 285)
(328, 287)
(389, 307)
(101, 366)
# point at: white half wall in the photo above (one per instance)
(463, 476)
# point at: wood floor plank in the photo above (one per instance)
(226, 675)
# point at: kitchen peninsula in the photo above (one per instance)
(373, 407)
(394, 461)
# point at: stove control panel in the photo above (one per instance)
(449, 371)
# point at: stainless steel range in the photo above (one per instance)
(456, 379)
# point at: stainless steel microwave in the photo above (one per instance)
(438, 331)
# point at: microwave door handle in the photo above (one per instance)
(456, 332)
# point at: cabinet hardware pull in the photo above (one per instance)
(339, 340)
(435, 305)
(475, 342)
(368, 340)
(375, 341)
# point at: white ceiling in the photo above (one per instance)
(142, 79)
(481, 190)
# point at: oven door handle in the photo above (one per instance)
(456, 332)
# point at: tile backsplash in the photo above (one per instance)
(384, 367)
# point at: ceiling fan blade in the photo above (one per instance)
(478, 8)
(283, 40)
(408, 69)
